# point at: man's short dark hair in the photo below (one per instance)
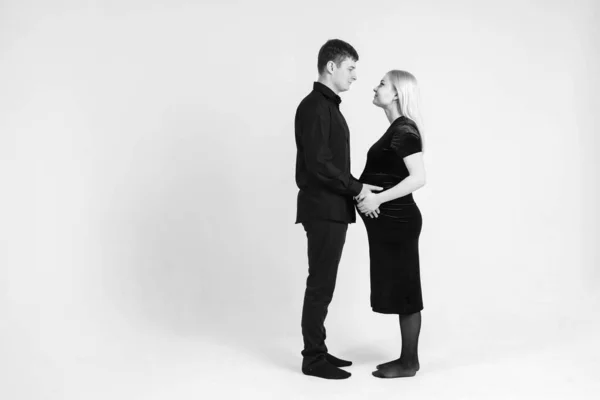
(335, 50)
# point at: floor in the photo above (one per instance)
(130, 365)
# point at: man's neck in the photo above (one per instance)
(328, 83)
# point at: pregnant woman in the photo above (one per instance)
(392, 218)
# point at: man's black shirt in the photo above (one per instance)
(323, 159)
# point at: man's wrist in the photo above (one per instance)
(359, 186)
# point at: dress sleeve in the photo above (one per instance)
(406, 141)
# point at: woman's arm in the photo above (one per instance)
(415, 179)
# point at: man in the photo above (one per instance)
(325, 198)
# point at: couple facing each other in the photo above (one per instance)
(328, 195)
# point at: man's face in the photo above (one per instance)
(344, 75)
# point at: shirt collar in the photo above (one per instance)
(328, 93)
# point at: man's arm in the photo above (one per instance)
(318, 156)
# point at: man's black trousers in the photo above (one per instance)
(325, 243)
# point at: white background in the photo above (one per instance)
(147, 202)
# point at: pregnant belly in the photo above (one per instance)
(394, 223)
(387, 181)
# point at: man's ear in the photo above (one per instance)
(330, 66)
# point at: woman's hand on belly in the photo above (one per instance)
(369, 204)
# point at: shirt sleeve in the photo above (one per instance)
(406, 141)
(318, 157)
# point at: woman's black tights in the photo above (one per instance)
(408, 363)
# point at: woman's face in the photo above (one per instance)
(385, 94)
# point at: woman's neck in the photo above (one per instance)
(392, 113)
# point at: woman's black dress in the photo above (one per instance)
(394, 235)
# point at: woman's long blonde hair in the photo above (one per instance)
(408, 96)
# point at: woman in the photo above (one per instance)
(393, 220)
